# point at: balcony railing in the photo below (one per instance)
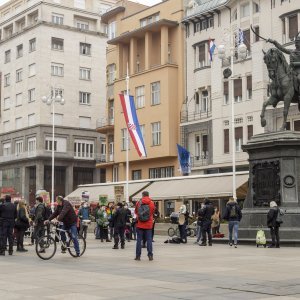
(194, 116)
(103, 158)
(105, 122)
(199, 161)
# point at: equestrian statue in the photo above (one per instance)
(285, 78)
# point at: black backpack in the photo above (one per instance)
(280, 214)
(143, 212)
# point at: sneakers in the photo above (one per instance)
(235, 245)
(63, 249)
(115, 247)
(230, 244)
(137, 258)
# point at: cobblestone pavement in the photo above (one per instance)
(177, 272)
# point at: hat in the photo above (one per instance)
(273, 204)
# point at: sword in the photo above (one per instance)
(257, 34)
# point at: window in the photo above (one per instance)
(161, 172)
(7, 79)
(255, 8)
(234, 15)
(111, 73)
(6, 103)
(32, 45)
(84, 98)
(58, 119)
(238, 138)
(202, 55)
(197, 103)
(57, 19)
(57, 44)
(83, 149)
(6, 126)
(238, 94)
(115, 175)
(293, 27)
(148, 20)
(31, 95)
(84, 122)
(19, 147)
(85, 49)
(123, 141)
(256, 36)
(250, 131)
(32, 71)
(142, 128)
(57, 69)
(18, 123)
(247, 40)
(6, 149)
(49, 143)
(204, 101)
(31, 119)
(7, 56)
(19, 75)
(19, 50)
(82, 25)
(85, 73)
(19, 99)
(225, 93)
(238, 120)
(155, 93)
(245, 10)
(226, 140)
(249, 118)
(57, 92)
(31, 146)
(297, 125)
(249, 87)
(112, 30)
(156, 133)
(140, 96)
(226, 123)
(136, 174)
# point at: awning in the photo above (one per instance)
(201, 186)
(95, 190)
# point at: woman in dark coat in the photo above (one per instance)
(22, 224)
(273, 225)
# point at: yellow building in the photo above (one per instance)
(150, 40)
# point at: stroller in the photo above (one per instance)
(261, 238)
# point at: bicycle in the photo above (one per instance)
(46, 245)
(175, 231)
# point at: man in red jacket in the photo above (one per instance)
(144, 211)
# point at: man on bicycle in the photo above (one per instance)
(65, 213)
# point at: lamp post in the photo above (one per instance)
(52, 99)
(242, 54)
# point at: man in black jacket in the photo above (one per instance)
(39, 218)
(65, 213)
(207, 211)
(8, 214)
(119, 221)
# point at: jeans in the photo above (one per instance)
(275, 235)
(198, 233)
(206, 230)
(147, 235)
(20, 238)
(119, 235)
(83, 230)
(182, 230)
(103, 233)
(7, 234)
(97, 231)
(233, 225)
(74, 236)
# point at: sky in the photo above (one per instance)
(146, 2)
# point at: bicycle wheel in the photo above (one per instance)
(82, 246)
(45, 247)
(171, 232)
(188, 232)
(177, 232)
(192, 232)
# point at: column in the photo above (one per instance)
(164, 39)
(119, 71)
(96, 175)
(39, 181)
(132, 55)
(25, 183)
(69, 179)
(148, 48)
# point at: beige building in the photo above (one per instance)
(50, 48)
(151, 41)
(206, 113)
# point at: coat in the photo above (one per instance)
(22, 222)
(272, 216)
(228, 209)
(119, 217)
(65, 213)
(148, 224)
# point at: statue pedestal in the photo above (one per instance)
(274, 175)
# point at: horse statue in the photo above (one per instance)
(284, 84)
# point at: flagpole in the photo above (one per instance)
(127, 144)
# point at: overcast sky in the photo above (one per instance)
(147, 2)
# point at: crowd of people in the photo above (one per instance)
(119, 222)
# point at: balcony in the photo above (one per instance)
(186, 117)
(105, 125)
(105, 159)
(199, 161)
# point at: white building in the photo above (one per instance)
(206, 113)
(52, 47)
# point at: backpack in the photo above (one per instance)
(233, 212)
(143, 212)
(280, 214)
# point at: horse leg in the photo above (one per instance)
(287, 103)
(263, 121)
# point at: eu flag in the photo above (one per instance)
(184, 158)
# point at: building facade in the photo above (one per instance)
(150, 41)
(206, 113)
(54, 49)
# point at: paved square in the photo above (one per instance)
(177, 272)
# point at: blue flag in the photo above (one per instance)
(184, 158)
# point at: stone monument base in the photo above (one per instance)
(274, 175)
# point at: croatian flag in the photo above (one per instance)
(132, 122)
(240, 37)
(211, 48)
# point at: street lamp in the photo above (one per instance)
(242, 54)
(52, 99)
